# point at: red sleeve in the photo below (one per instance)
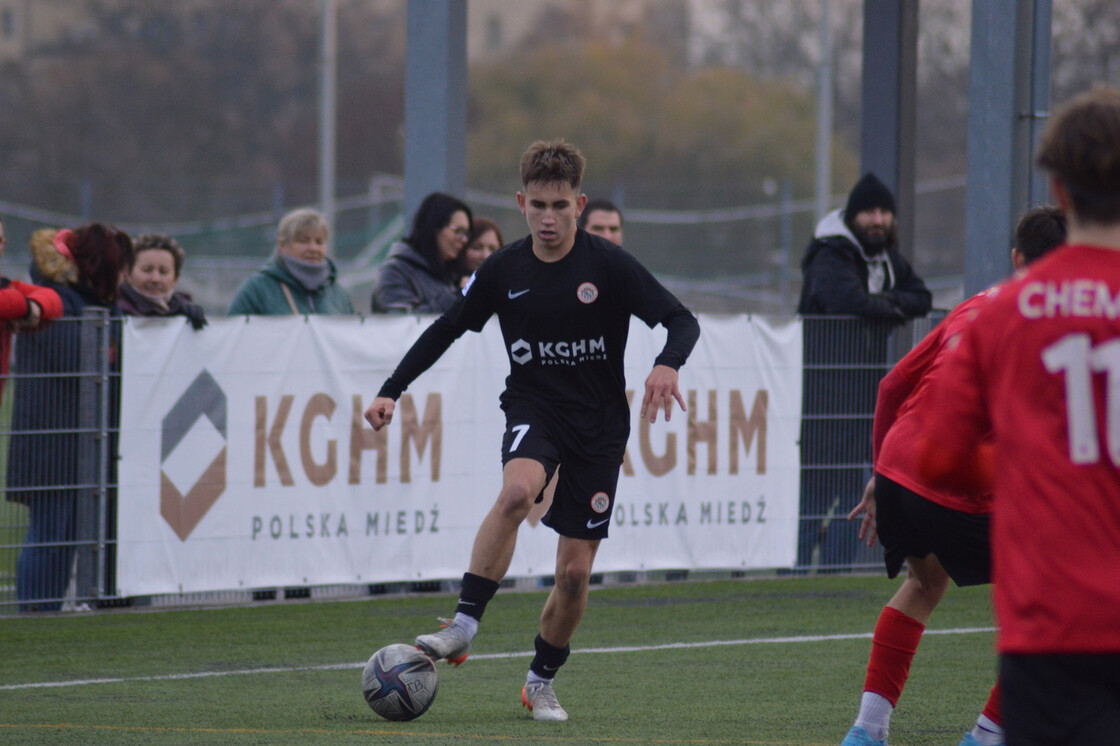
(13, 303)
(49, 302)
(897, 386)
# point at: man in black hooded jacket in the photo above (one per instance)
(852, 271)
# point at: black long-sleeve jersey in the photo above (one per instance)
(565, 326)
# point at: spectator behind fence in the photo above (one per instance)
(84, 267)
(853, 268)
(421, 273)
(23, 307)
(938, 533)
(149, 287)
(485, 238)
(299, 278)
(602, 217)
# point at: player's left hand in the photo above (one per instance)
(869, 528)
(661, 389)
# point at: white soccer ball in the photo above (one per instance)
(400, 682)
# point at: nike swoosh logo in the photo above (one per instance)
(518, 294)
(597, 524)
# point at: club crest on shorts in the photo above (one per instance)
(587, 292)
(600, 501)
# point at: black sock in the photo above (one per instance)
(548, 659)
(475, 594)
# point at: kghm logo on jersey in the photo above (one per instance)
(520, 352)
(600, 502)
(559, 353)
(587, 292)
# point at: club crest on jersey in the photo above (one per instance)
(600, 501)
(587, 293)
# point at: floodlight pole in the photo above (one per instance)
(328, 63)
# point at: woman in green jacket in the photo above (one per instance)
(299, 279)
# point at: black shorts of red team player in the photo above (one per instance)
(584, 499)
(1061, 698)
(912, 526)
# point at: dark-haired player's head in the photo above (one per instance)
(1039, 231)
(1081, 152)
(602, 217)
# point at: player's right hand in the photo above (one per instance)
(380, 413)
(869, 527)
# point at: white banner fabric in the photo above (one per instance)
(245, 461)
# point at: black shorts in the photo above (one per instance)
(912, 526)
(584, 499)
(1061, 699)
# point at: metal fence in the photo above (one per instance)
(59, 428)
(58, 444)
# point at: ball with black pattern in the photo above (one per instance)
(400, 682)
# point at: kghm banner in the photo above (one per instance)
(246, 462)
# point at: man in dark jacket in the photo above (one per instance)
(853, 267)
(854, 274)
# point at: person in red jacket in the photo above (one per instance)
(22, 307)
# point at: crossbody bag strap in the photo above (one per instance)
(288, 295)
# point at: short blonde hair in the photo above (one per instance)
(299, 223)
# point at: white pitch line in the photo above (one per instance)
(485, 656)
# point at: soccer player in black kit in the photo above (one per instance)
(564, 299)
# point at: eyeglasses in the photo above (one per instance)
(460, 232)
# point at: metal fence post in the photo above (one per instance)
(89, 532)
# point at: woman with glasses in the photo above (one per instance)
(421, 273)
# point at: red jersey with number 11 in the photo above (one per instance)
(1039, 368)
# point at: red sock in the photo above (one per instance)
(893, 646)
(992, 709)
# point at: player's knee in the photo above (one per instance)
(573, 576)
(515, 500)
(931, 585)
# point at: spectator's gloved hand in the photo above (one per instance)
(195, 315)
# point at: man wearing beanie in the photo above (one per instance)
(852, 269)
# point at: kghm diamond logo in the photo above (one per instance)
(520, 352)
(202, 407)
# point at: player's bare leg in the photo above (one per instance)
(893, 646)
(568, 600)
(924, 587)
(562, 613)
(522, 481)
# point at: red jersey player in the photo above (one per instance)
(939, 533)
(1039, 370)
